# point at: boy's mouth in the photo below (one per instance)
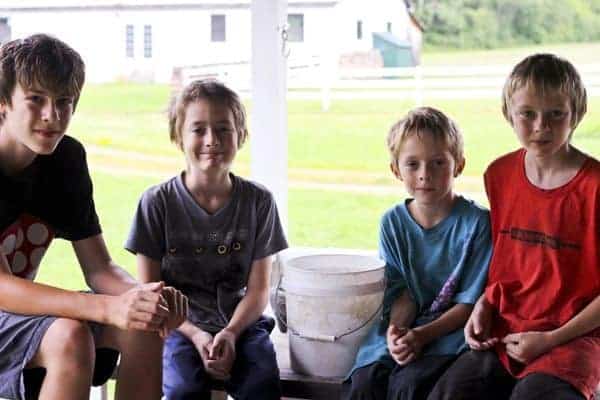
(47, 132)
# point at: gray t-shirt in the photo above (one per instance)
(207, 256)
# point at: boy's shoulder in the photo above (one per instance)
(163, 191)
(248, 188)
(471, 208)
(68, 148)
(509, 160)
(394, 214)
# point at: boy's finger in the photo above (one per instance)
(153, 286)
(511, 338)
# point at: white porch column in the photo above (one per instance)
(268, 140)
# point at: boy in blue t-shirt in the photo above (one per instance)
(437, 246)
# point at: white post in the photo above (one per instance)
(268, 139)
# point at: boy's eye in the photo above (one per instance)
(440, 162)
(557, 114)
(412, 164)
(35, 99)
(64, 102)
(527, 114)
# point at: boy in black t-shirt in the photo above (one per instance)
(53, 341)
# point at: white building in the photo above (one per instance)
(145, 40)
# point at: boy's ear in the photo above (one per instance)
(460, 166)
(395, 170)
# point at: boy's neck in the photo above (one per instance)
(210, 191)
(429, 215)
(14, 156)
(554, 171)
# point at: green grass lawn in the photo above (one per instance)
(345, 144)
(320, 219)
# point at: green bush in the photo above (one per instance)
(493, 23)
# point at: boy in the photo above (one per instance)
(212, 234)
(54, 341)
(541, 309)
(436, 246)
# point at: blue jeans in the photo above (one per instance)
(254, 376)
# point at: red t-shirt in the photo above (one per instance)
(545, 266)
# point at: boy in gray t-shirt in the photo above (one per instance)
(211, 234)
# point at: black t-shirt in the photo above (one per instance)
(52, 197)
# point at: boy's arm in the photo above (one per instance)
(527, 346)
(101, 274)
(410, 344)
(138, 308)
(255, 300)
(454, 318)
(404, 311)
(149, 271)
(585, 321)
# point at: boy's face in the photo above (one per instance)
(36, 119)
(542, 123)
(209, 138)
(427, 168)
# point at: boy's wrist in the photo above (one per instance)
(554, 337)
(233, 331)
(426, 335)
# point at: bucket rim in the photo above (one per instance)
(378, 263)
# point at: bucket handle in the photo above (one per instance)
(334, 338)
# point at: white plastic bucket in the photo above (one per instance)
(332, 300)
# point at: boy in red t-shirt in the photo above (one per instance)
(535, 333)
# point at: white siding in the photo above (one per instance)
(181, 36)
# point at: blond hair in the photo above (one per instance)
(426, 121)
(547, 73)
(211, 91)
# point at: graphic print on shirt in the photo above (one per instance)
(24, 243)
(443, 300)
(538, 238)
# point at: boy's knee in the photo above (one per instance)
(264, 384)
(542, 386)
(180, 389)
(69, 341)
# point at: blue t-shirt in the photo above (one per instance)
(440, 267)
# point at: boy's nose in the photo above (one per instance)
(424, 174)
(542, 123)
(210, 138)
(50, 112)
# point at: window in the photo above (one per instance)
(359, 33)
(148, 41)
(5, 31)
(217, 28)
(389, 27)
(296, 27)
(129, 41)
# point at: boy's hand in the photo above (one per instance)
(222, 353)
(141, 307)
(178, 310)
(527, 346)
(409, 347)
(203, 342)
(403, 344)
(478, 326)
(394, 333)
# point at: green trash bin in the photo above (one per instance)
(394, 51)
